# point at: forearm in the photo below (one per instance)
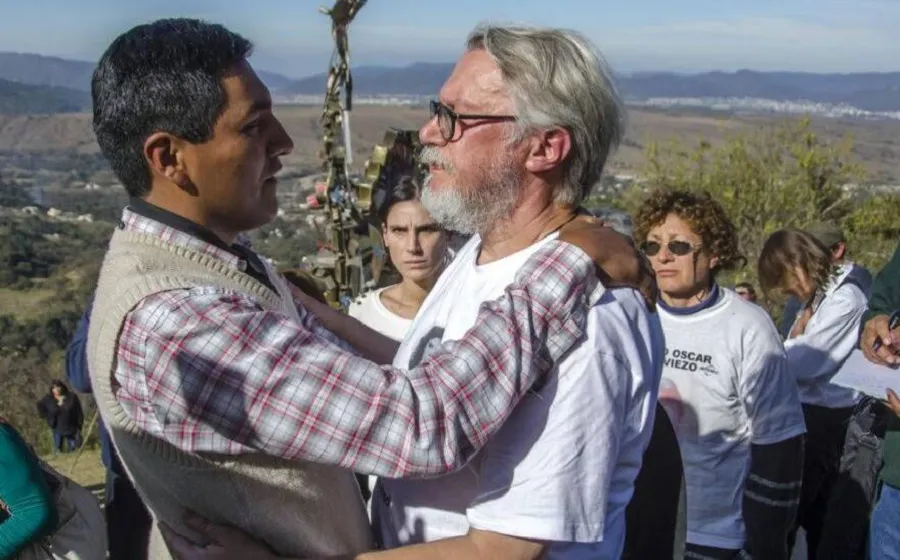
(476, 545)
(772, 496)
(370, 344)
(290, 391)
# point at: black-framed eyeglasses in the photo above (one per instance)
(677, 248)
(447, 117)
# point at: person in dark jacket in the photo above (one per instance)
(27, 510)
(128, 522)
(881, 345)
(61, 409)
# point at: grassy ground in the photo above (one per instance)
(88, 470)
(24, 303)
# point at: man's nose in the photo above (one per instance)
(430, 133)
(281, 144)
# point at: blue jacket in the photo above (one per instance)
(80, 379)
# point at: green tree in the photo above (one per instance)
(770, 177)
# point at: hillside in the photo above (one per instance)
(25, 99)
(876, 142)
(42, 70)
(870, 91)
(39, 70)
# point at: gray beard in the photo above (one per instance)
(479, 210)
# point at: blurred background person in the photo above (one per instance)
(832, 237)
(61, 409)
(745, 291)
(725, 385)
(824, 333)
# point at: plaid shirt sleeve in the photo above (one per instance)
(211, 371)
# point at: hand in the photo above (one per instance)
(619, 263)
(225, 543)
(893, 402)
(877, 329)
(800, 324)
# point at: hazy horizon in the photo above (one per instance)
(292, 38)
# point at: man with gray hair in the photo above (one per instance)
(522, 129)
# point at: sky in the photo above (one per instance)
(293, 38)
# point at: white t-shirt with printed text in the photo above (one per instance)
(562, 467)
(725, 386)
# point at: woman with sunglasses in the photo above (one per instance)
(725, 385)
(825, 332)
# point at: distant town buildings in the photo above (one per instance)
(757, 106)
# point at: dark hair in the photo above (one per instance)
(61, 386)
(406, 189)
(163, 76)
(705, 216)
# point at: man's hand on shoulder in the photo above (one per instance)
(619, 262)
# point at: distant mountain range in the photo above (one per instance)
(876, 92)
(17, 98)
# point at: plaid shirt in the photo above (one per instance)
(211, 371)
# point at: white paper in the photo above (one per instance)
(867, 377)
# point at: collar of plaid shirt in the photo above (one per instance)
(240, 253)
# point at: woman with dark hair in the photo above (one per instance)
(418, 249)
(724, 386)
(826, 331)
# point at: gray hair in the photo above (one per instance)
(557, 78)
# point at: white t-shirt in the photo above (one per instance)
(831, 335)
(562, 467)
(371, 312)
(725, 386)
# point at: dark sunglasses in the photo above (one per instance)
(447, 117)
(677, 248)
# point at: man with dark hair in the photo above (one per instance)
(222, 392)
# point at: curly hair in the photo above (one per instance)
(785, 251)
(706, 217)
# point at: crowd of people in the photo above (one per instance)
(549, 388)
